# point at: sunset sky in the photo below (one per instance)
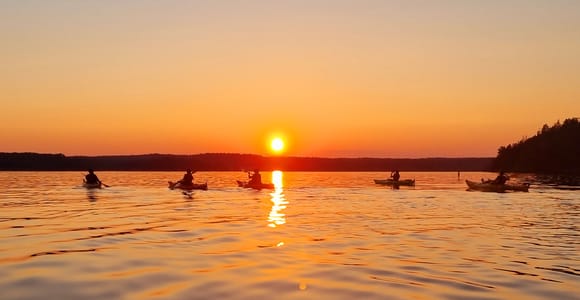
(332, 78)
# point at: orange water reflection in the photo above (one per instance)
(276, 216)
(91, 195)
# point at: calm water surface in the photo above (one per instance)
(317, 236)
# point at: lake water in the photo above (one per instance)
(318, 235)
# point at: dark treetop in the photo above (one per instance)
(554, 150)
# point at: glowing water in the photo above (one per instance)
(315, 236)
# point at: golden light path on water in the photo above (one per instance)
(276, 216)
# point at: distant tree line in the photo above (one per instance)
(232, 162)
(554, 150)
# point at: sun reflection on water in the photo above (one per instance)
(276, 217)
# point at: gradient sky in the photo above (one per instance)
(335, 78)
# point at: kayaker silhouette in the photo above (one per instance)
(395, 175)
(255, 178)
(92, 178)
(187, 178)
(501, 178)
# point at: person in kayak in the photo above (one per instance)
(187, 178)
(395, 175)
(255, 178)
(92, 178)
(501, 178)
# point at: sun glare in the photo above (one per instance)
(277, 145)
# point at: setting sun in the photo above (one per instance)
(277, 145)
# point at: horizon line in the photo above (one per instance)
(248, 154)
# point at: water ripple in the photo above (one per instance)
(313, 237)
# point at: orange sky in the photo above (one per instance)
(336, 78)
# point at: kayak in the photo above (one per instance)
(407, 182)
(255, 186)
(497, 188)
(188, 187)
(97, 185)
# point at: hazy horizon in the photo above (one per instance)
(240, 153)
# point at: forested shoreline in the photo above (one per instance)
(552, 150)
(233, 162)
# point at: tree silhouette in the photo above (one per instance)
(553, 149)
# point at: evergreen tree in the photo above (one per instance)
(553, 149)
